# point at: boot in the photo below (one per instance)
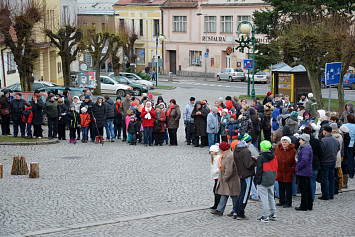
(135, 143)
(71, 140)
(101, 139)
(74, 140)
(131, 143)
(345, 180)
(97, 139)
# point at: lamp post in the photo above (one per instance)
(159, 37)
(245, 41)
(200, 14)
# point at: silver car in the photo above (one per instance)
(136, 79)
(231, 74)
(261, 77)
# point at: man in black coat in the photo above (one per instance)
(16, 108)
(109, 113)
(5, 101)
(37, 110)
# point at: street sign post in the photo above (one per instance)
(206, 55)
(332, 77)
(247, 64)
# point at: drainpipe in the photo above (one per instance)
(3, 66)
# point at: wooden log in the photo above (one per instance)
(1, 171)
(34, 173)
(19, 166)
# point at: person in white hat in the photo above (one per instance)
(214, 149)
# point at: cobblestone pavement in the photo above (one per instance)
(120, 190)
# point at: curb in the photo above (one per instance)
(29, 143)
(173, 88)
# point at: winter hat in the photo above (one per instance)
(214, 109)
(72, 105)
(305, 137)
(133, 116)
(225, 110)
(344, 129)
(75, 97)
(144, 95)
(310, 95)
(233, 116)
(214, 148)
(150, 96)
(294, 114)
(287, 139)
(203, 102)
(265, 145)
(229, 104)
(224, 146)
(36, 92)
(84, 110)
(234, 144)
(192, 99)
(50, 96)
(228, 98)
(28, 104)
(304, 94)
(306, 113)
(60, 100)
(118, 98)
(334, 126)
(87, 97)
(328, 129)
(279, 104)
(246, 137)
(220, 99)
(269, 93)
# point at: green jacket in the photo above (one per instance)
(51, 109)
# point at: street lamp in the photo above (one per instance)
(161, 38)
(200, 14)
(244, 41)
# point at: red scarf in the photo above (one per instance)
(118, 105)
(168, 113)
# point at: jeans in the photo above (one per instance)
(285, 193)
(267, 198)
(243, 197)
(17, 123)
(314, 183)
(72, 133)
(276, 188)
(166, 136)
(306, 193)
(254, 191)
(189, 131)
(294, 186)
(28, 129)
(117, 130)
(52, 127)
(223, 202)
(148, 135)
(5, 125)
(212, 139)
(109, 129)
(132, 137)
(85, 132)
(328, 181)
(351, 161)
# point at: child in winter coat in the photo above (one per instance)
(133, 130)
(224, 122)
(128, 119)
(74, 122)
(77, 104)
(232, 129)
(215, 173)
(85, 122)
(27, 116)
(246, 125)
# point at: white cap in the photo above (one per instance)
(225, 110)
(287, 139)
(214, 148)
(310, 95)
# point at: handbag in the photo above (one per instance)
(5, 112)
(157, 126)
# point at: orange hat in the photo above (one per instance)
(234, 144)
(203, 102)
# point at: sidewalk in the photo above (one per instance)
(165, 78)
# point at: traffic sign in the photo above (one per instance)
(247, 64)
(142, 52)
(332, 73)
(206, 55)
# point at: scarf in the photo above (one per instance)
(148, 116)
(169, 111)
(220, 160)
(118, 105)
(300, 148)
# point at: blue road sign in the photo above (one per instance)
(332, 73)
(206, 55)
(248, 64)
(142, 52)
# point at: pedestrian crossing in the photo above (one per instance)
(205, 84)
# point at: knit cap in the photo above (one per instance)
(305, 137)
(294, 114)
(246, 137)
(84, 109)
(234, 144)
(224, 146)
(287, 139)
(214, 148)
(265, 145)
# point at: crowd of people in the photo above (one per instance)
(269, 147)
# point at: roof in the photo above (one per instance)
(235, 4)
(95, 9)
(180, 4)
(12, 33)
(287, 68)
(139, 2)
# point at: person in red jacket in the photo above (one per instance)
(148, 116)
(159, 126)
(27, 116)
(285, 154)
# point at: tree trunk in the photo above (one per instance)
(1, 171)
(341, 101)
(66, 72)
(19, 166)
(34, 173)
(97, 90)
(315, 85)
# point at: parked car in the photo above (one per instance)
(260, 76)
(136, 79)
(110, 86)
(231, 74)
(138, 89)
(35, 86)
(348, 80)
(74, 91)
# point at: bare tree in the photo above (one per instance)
(119, 40)
(129, 38)
(16, 25)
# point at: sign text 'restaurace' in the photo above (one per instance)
(214, 38)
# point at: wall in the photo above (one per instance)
(68, 11)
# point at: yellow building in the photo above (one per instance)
(144, 18)
(48, 66)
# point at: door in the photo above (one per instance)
(172, 61)
(107, 86)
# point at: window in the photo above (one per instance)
(226, 24)
(140, 56)
(133, 26)
(50, 20)
(141, 27)
(210, 24)
(122, 23)
(156, 27)
(11, 65)
(65, 14)
(195, 58)
(180, 23)
(243, 18)
(105, 80)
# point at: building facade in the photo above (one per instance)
(68, 12)
(194, 28)
(144, 18)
